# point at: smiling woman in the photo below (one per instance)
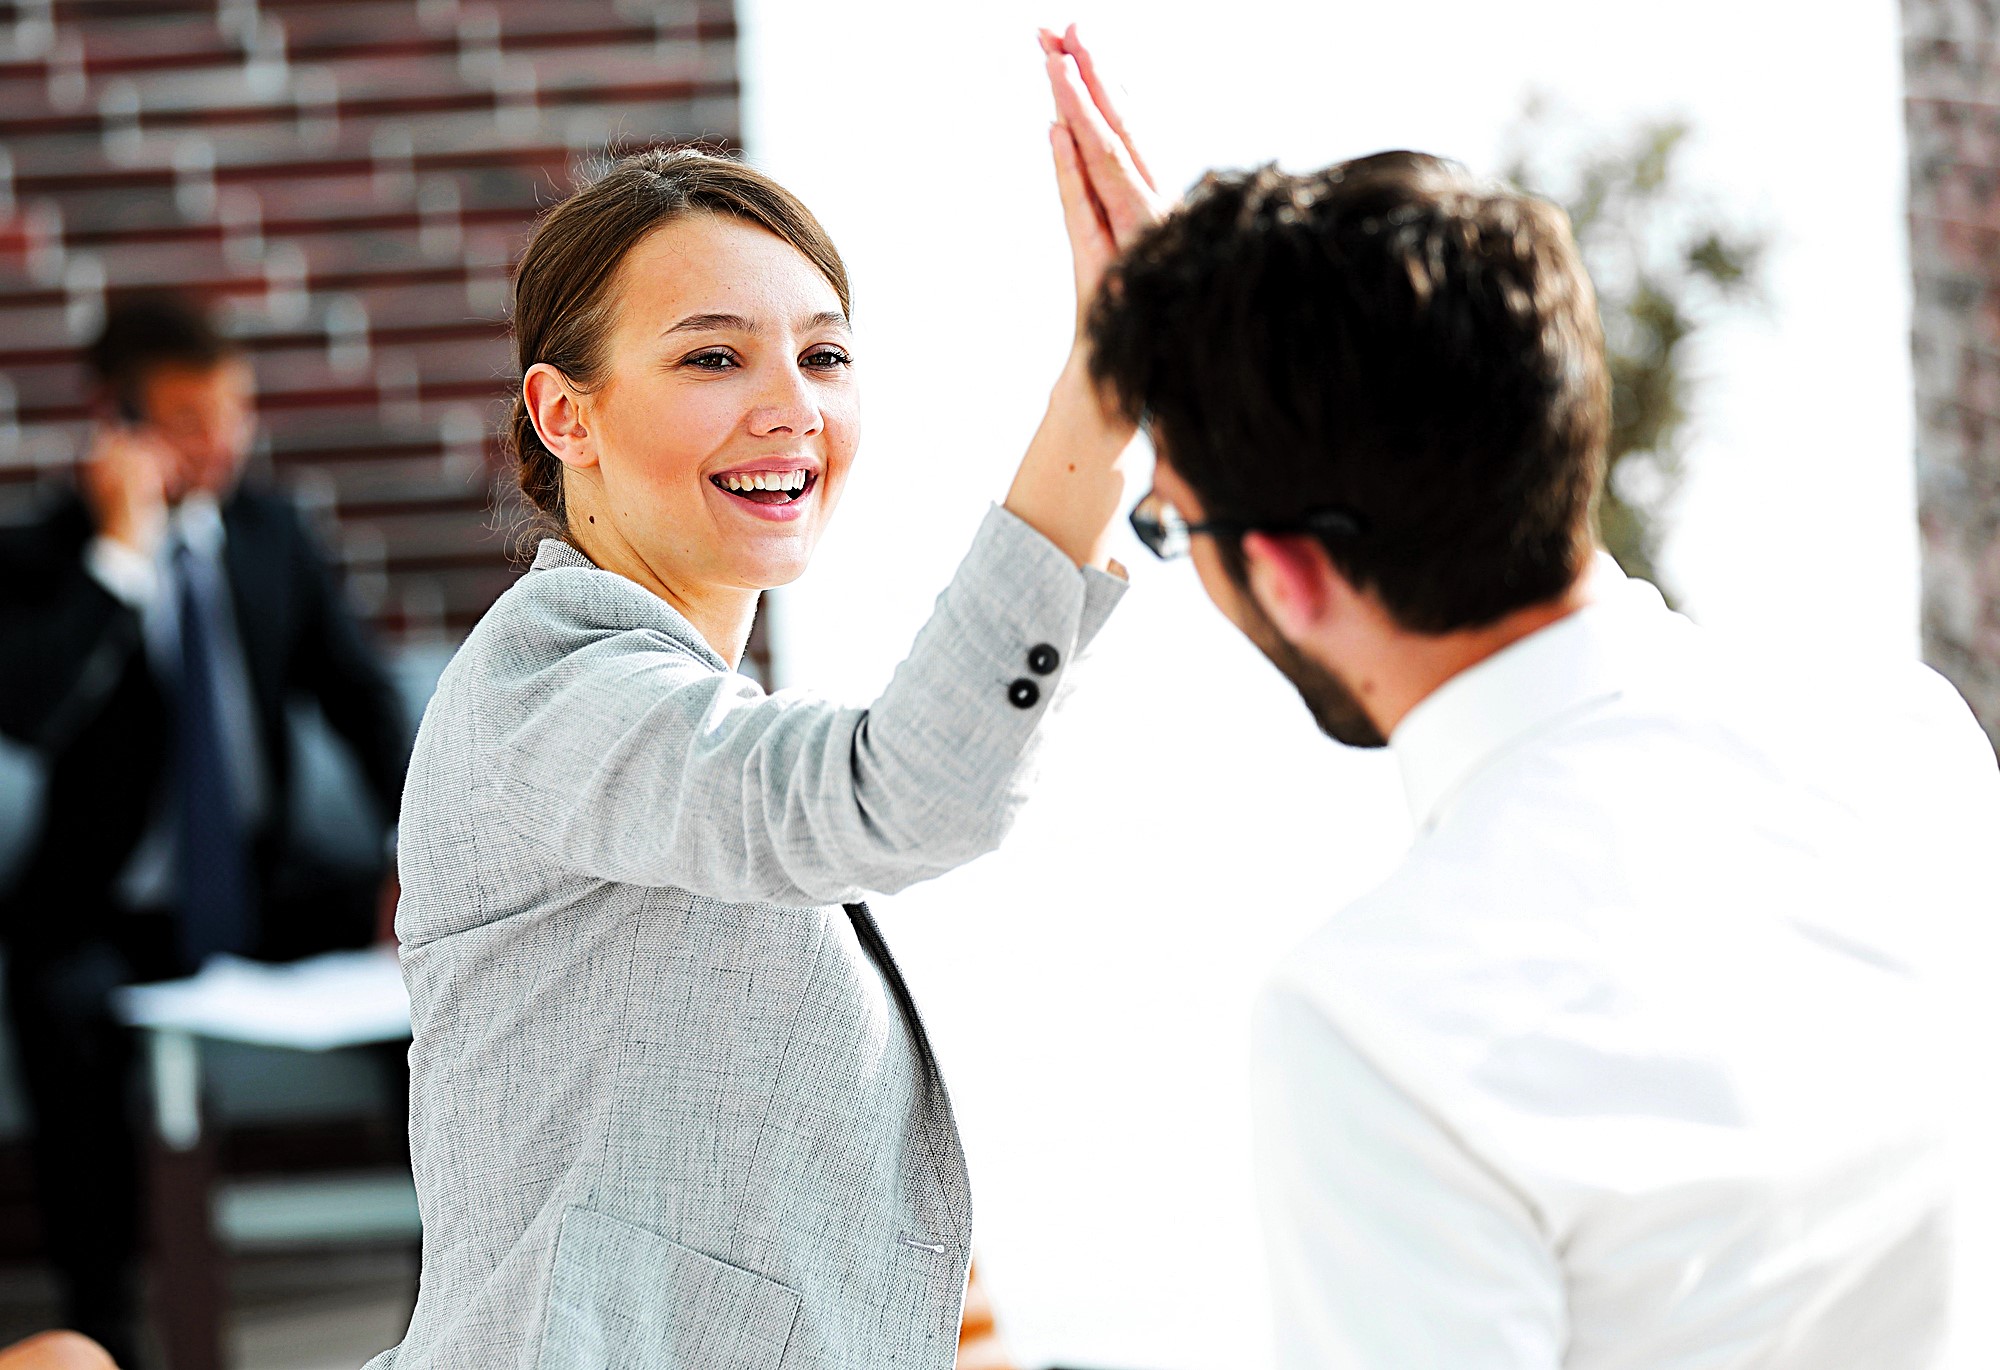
(715, 399)
(671, 1102)
(694, 399)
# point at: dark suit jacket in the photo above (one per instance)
(74, 677)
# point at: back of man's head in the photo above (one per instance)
(1390, 337)
(146, 333)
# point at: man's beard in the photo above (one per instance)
(1333, 706)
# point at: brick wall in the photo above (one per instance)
(347, 182)
(1952, 63)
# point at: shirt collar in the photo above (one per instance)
(197, 522)
(1580, 660)
(554, 552)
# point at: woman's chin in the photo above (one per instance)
(771, 572)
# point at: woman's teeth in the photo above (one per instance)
(783, 481)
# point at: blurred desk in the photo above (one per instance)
(343, 999)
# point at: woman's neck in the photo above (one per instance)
(722, 614)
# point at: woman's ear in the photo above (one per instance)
(557, 411)
(1294, 582)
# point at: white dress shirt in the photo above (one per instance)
(147, 583)
(1637, 1059)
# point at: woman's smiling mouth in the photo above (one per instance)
(768, 490)
(767, 487)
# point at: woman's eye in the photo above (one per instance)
(710, 361)
(827, 358)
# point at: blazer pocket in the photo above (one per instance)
(625, 1298)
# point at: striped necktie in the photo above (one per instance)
(215, 913)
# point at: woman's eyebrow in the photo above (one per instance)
(704, 323)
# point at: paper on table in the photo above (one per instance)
(344, 998)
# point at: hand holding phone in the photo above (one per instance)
(124, 480)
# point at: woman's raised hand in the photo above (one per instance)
(1108, 194)
(1071, 482)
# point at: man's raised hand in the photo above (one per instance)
(1108, 194)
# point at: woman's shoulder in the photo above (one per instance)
(565, 640)
(558, 630)
(564, 605)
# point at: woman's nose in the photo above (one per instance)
(788, 405)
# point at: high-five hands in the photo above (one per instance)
(1108, 195)
(1071, 484)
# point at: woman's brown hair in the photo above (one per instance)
(563, 302)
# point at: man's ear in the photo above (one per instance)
(1293, 581)
(557, 410)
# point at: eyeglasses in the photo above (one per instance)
(1167, 535)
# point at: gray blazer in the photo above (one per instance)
(671, 1105)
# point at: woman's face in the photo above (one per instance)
(729, 414)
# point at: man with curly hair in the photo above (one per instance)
(1634, 1060)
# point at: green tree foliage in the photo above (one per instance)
(1666, 264)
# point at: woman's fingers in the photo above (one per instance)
(1090, 242)
(1086, 65)
(1081, 213)
(1123, 193)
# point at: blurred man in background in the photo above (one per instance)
(154, 626)
(1634, 1061)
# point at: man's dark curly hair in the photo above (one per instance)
(1391, 337)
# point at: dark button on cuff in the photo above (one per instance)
(1023, 694)
(1043, 659)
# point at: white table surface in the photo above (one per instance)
(340, 999)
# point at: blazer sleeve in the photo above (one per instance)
(65, 640)
(343, 670)
(631, 763)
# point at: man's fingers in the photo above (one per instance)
(1086, 66)
(1094, 141)
(1094, 138)
(1113, 179)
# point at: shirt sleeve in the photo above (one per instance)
(1391, 1246)
(632, 763)
(129, 575)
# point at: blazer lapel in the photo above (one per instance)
(254, 560)
(941, 1128)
